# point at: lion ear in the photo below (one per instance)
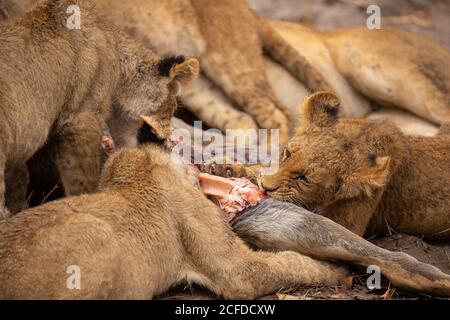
(159, 126)
(180, 71)
(320, 109)
(367, 180)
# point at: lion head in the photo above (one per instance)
(331, 159)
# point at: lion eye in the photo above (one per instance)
(286, 154)
(301, 177)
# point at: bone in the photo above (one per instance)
(215, 186)
(233, 195)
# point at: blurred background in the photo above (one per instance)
(428, 17)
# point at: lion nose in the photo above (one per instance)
(267, 188)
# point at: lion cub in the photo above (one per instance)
(59, 85)
(145, 230)
(365, 175)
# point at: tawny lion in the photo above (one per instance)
(363, 174)
(149, 227)
(230, 39)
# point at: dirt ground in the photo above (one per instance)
(428, 17)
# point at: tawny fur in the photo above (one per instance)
(225, 37)
(365, 175)
(59, 86)
(407, 122)
(379, 64)
(138, 236)
(395, 68)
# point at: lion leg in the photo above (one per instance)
(77, 154)
(249, 274)
(223, 263)
(355, 216)
(210, 105)
(234, 61)
(235, 170)
(255, 97)
(275, 225)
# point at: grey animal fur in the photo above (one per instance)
(277, 226)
